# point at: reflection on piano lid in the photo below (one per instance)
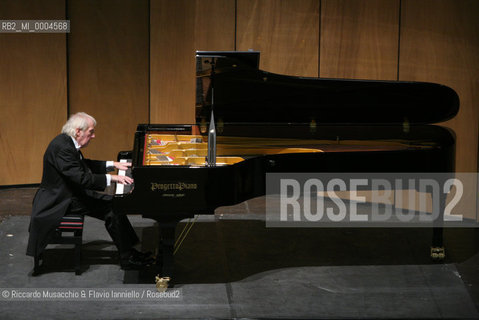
(245, 94)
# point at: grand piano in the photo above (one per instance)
(252, 122)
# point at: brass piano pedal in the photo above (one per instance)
(162, 283)
(438, 253)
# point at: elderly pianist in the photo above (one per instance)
(70, 184)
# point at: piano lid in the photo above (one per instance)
(245, 94)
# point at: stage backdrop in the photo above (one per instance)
(132, 61)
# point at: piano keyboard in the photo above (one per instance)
(122, 188)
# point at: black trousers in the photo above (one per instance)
(117, 225)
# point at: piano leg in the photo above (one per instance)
(166, 247)
(438, 252)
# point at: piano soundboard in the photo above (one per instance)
(171, 149)
(191, 150)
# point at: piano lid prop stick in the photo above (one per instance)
(211, 158)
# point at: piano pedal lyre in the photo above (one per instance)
(438, 253)
(162, 283)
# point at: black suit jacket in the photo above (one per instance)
(65, 174)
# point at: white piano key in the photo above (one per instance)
(121, 187)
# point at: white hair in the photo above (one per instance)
(77, 121)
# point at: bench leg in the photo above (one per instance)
(36, 264)
(78, 259)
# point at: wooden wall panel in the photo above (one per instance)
(33, 95)
(285, 31)
(172, 83)
(108, 70)
(440, 43)
(215, 25)
(359, 39)
(178, 29)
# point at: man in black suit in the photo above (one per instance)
(71, 183)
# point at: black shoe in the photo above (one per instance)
(133, 263)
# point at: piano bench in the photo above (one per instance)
(69, 231)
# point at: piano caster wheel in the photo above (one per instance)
(162, 283)
(438, 253)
